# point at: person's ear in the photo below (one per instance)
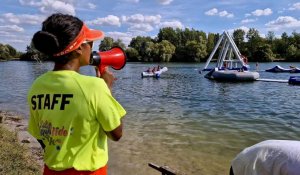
(79, 51)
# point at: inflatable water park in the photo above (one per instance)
(230, 65)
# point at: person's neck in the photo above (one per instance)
(71, 65)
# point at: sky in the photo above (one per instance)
(125, 19)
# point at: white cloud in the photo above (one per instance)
(226, 14)
(23, 18)
(283, 22)
(16, 41)
(214, 12)
(136, 18)
(152, 19)
(244, 28)
(92, 6)
(110, 20)
(260, 12)
(140, 28)
(165, 2)
(173, 24)
(295, 6)
(11, 28)
(141, 19)
(30, 2)
(125, 37)
(247, 15)
(51, 6)
(141, 23)
(248, 21)
(6, 34)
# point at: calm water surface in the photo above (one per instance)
(181, 120)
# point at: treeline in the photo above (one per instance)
(190, 45)
(7, 52)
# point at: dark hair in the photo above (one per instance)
(58, 31)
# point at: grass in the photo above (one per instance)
(15, 158)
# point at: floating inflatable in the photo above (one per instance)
(155, 74)
(231, 65)
(232, 75)
(278, 69)
(294, 80)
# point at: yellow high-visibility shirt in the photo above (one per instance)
(70, 113)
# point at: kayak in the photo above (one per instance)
(155, 74)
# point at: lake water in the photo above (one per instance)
(181, 120)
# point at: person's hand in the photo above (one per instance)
(107, 76)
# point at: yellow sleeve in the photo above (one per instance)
(108, 110)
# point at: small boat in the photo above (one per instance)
(279, 69)
(155, 74)
(232, 75)
(294, 80)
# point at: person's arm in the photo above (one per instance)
(109, 79)
(116, 134)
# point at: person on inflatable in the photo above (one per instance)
(72, 115)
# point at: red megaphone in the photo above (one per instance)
(115, 57)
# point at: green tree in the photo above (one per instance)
(163, 51)
(106, 44)
(132, 54)
(12, 51)
(148, 51)
(4, 52)
(238, 37)
(193, 51)
(119, 43)
(270, 37)
(292, 53)
(170, 35)
(210, 42)
(138, 43)
(254, 40)
(263, 53)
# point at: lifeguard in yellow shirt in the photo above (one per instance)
(71, 115)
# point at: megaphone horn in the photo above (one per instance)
(115, 57)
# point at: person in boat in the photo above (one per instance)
(158, 68)
(270, 157)
(72, 115)
(153, 70)
(148, 70)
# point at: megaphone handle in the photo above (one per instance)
(102, 69)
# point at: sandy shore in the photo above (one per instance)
(17, 123)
